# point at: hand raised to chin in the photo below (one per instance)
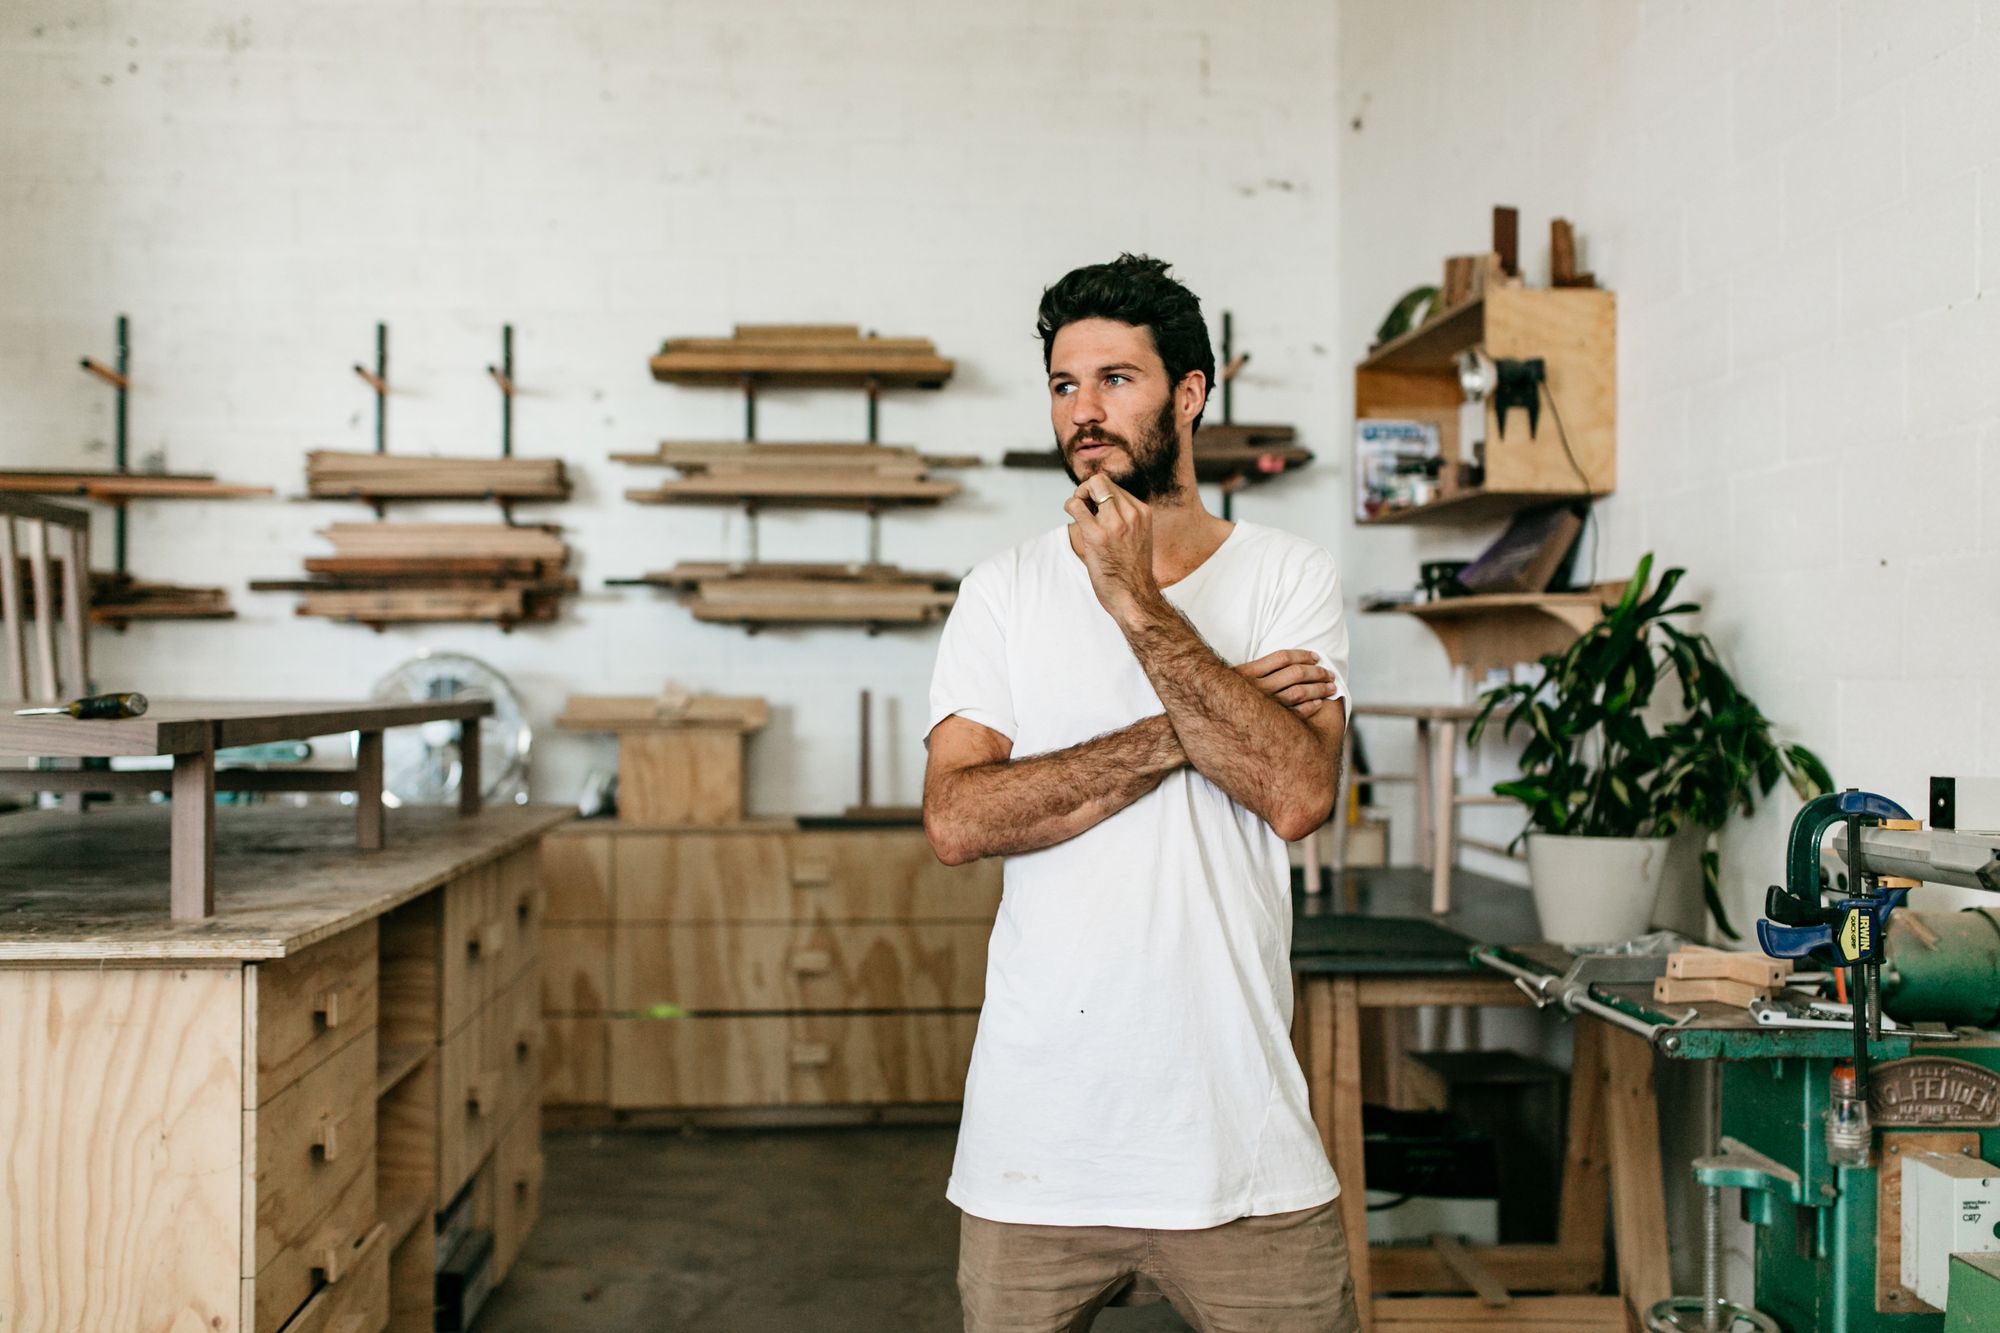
(1113, 535)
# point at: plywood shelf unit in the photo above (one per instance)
(434, 573)
(380, 479)
(1415, 377)
(1498, 630)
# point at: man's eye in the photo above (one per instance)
(1060, 389)
(1114, 379)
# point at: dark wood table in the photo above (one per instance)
(191, 731)
(1373, 944)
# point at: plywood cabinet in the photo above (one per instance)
(759, 966)
(261, 1143)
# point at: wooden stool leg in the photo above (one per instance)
(1337, 856)
(1311, 876)
(1423, 775)
(368, 791)
(191, 885)
(1444, 814)
(1638, 1197)
(1342, 1015)
(1585, 1177)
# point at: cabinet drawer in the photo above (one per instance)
(322, 1258)
(304, 1006)
(517, 1187)
(475, 944)
(866, 965)
(358, 1300)
(790, 1060)
(472, 1087)
(313, 1139)
(513, 1032)
(784, 877)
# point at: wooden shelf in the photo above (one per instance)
(1433, 345)
(1477, 506)
(1571, 451)
(1501, 629)
(825, 491)
(393, 1064)
(119, 487)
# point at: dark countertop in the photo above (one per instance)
(1378, 920)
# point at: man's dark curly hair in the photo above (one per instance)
(1135, 290)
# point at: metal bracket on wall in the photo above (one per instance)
(1232, 366)
(119, 378)
(378, 380)
(503, 375)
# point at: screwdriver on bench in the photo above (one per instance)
(96, 708)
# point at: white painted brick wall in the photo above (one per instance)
(256, 186)
(1799, 207)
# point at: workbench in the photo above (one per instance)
(192, 731)
(1373, 944)
(280, 1116)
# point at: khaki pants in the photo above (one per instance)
(1285, 1273)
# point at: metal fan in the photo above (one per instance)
(420, 764)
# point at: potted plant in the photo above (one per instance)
(1608, 778)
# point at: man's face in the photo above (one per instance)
(1113, 409)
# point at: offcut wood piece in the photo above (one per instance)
(680, 756)
(735, 455)
(1708, 990)
(825, 487)
(804, 355)
(334, 474)
(1562, 257)
(1751, 969)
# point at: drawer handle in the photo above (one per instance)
(327, 1004)
(523, 910)
(489, 942)
(326, 1139)
(331, 1259)
(811, 1054)
(810, 962)
(479, 1094)
(811, 875)
(525, 1043)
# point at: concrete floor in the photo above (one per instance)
(748, 1231)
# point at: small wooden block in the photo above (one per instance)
(1721, 964)
(1707, 990)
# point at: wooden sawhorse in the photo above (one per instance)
(1613, 1157)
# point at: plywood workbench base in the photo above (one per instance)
(1613, 1157)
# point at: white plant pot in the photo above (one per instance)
(1594, 890)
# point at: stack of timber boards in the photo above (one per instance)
(116, 487)
(334, 475)
(407, 573)
(802, 354)
(820, 475)
(803, 594)
(116, 599)
(1226, 454)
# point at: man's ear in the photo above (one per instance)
(1191, 395)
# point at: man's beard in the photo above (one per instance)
(1154, 454)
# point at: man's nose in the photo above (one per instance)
(1085, 408)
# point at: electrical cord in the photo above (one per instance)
(1589, 498)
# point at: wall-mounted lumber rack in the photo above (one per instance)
(433, 573)
(803, 356)
(759, 595)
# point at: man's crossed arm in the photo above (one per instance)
(978, 801)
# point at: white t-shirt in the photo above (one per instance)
(1134, 1064)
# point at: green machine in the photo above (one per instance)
(1863, 1135)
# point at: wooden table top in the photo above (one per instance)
(185, 726)
(1377, 921)
(94, 887)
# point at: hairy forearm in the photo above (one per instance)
(1257, 750)
(1022, 805)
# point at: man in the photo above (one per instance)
(1134, 1106)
